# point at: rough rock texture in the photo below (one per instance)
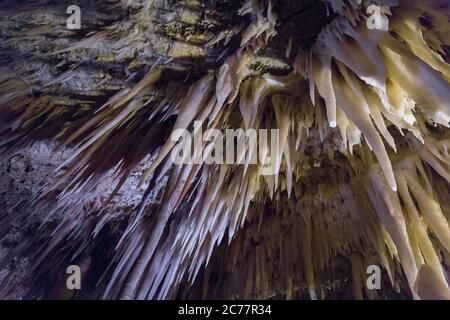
(23, 175)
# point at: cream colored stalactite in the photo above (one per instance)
(347, 92)
(375, 107)
(414, 187)
(350, 102)
(410, 81)
(263, 27)
(250, 98)
(419, 229)
(428, 205)
(322, 75)
(351, 135)
(356, 48)
(128, 101)
(409, 29)
(171, 196)
(229, 79)
(376, 237)
(437, 154)
(411, 227)
(206, 211)
(423, 84)
(282, 108)
(429, 285)
(387, 206)
(398, 108)
(197, 98)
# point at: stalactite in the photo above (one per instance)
(363, 119)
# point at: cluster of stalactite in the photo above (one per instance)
(296, 243)
(362, 172)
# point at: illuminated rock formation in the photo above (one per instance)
(362, 174)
